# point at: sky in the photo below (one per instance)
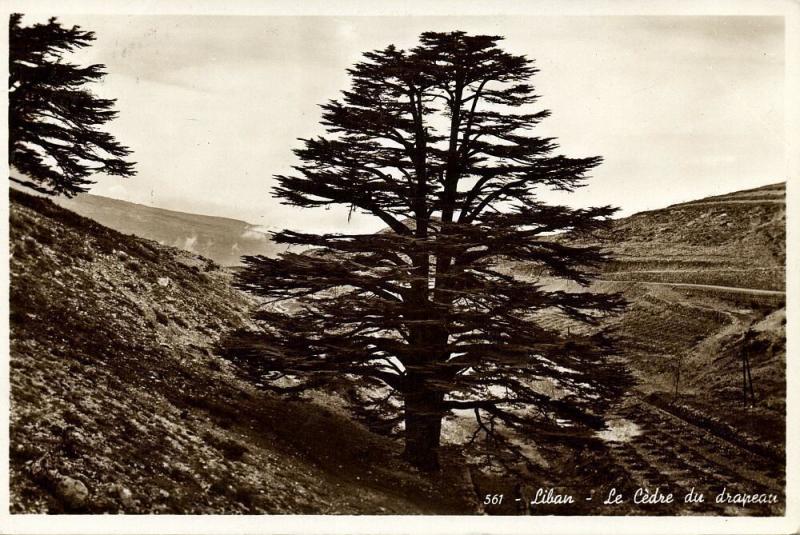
(680, 107)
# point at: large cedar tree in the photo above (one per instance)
(437, 143)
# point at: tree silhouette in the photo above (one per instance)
(434, 142)
(53, 119)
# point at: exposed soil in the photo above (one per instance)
(656, 451)
(705, 285)
(118, 403)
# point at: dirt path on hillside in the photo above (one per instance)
(731, 201)
(670, 453)
(752, 291)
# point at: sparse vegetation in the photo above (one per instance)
(106, 399)
(703, 327)
(97, 379)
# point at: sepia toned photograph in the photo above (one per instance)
(496, 265)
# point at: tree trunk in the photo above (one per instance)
(423, 421)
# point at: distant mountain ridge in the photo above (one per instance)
(220, 239)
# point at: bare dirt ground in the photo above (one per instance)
(705, 285)
(119, 403)
(674, 454)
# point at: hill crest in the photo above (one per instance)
(221, 239)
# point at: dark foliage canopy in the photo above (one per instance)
(53, 118)
(436, 142)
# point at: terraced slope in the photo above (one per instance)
(673, 454)
(706, 286)
(706, 281)
(735, 240)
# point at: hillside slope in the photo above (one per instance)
(119, 404)
(735, 240)
(706, 285)
(220, 239)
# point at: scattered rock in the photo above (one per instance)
(163, 281)
(124, 495)
(71, 491)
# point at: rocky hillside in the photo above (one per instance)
(706, 285)
(736, 240)
(118, 403)
(220, 239)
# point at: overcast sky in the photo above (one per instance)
(679, 107)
